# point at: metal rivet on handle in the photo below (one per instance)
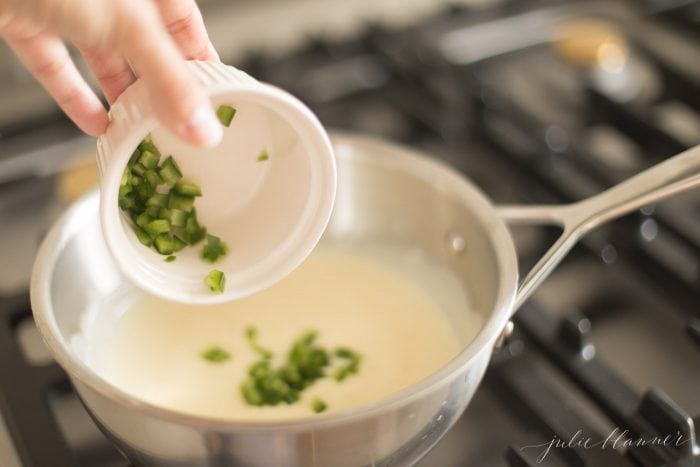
(456, 242)
(505, 334)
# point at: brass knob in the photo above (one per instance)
(591, 43)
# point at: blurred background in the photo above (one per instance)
(536, 102)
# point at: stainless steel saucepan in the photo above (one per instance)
(387, 195)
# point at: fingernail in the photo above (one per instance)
(203, 128)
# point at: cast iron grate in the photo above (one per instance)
(25, 393)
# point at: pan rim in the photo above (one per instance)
(86, 209)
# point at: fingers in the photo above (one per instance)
(149, 37)
(83, 21)
(184, 22)
(48, 60)
(177, 98)
(112, 71)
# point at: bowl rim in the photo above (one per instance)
(346, 144)
(116, 146)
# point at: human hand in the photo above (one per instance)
(120, 40)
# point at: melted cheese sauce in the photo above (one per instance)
(351, 299)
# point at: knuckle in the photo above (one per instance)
(195, 47)
(188, 32)
(69, 96)
(127, 28)
(114, 76)
(6, 22)
(186, 20)
(115, 83)
(51, 67)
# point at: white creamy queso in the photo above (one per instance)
(350, 299)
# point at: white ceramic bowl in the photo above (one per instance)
(270, 213)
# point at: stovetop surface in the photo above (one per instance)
(609, 348)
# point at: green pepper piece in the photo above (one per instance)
(318, 405)
(216, 280)
(225, 114)
(164, 244)
(169, 171)
(186, 188)
(183, 203)
(157, 226)
(149, 160)
(263, 156)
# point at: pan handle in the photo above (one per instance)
(675, 175)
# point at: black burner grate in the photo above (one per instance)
(27, 402)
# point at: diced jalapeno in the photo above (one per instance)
(214, 249)
(157, 226)
(185, 188)
(178, 217)
(161, 205)
(164, 244)
(181, 202)
(225, 114)
(149, 160)
(169, 171)
(263, 156)
(216, 280)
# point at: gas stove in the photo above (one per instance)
(537, 102)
